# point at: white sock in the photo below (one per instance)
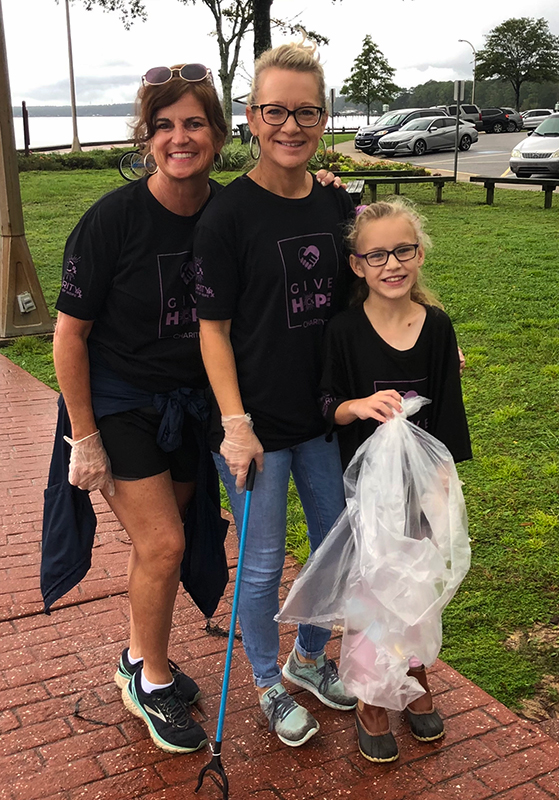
(148, 687)
(133, 660)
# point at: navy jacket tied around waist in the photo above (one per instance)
(69, 521)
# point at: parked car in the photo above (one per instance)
(515, 119)
(428, 133)
(367, 138)
(539, 152)
(534, 116)
(469, 112)
(494, 120)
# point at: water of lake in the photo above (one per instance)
(54, 131)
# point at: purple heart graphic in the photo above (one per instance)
(308, 256)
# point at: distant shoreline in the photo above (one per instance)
(121, 110)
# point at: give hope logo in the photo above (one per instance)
(178, 301)
(310, 266)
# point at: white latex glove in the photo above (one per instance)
(90, 467)
(239, 446)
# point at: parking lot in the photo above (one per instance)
(488, 156)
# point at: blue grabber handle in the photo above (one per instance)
(215, 768)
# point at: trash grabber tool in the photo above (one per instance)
(215, 765)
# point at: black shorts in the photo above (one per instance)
(130, 439)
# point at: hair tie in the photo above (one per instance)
(359, 209)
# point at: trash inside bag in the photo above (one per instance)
(391, 563)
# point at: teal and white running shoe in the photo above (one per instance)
(321, 679)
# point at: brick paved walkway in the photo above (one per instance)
(65, 734)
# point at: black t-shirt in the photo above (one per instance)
(276, 267)
(358, 363)
(128, 266)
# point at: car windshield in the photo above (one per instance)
(417, 124)
(549, 127)
(392, 118)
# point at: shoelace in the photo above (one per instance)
(281, 706)
(171, 704)
(329, 674)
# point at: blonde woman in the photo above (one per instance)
(271, 273)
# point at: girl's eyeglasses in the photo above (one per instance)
(193, 73)
(306, 116)
(378, 258)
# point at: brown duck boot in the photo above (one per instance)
(425, 722)
(376, 742)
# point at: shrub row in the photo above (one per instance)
(236, 158)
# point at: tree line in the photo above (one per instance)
(519, 65)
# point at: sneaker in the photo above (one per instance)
(166, 714)
(321, 679)
(293, 724)
(188, 688)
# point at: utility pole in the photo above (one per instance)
(23, 310)
(76, 146)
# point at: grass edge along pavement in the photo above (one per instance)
(495, 269)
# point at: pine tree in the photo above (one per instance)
(371, 78)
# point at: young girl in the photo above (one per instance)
(395, 341)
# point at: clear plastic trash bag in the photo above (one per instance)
(391, 563)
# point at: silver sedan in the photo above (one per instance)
(539, 153)
(428, 133)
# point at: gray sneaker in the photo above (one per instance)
(293, 724)
(321, 679)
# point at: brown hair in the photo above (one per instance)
(393, 207)
(299, 57)
(150, 99)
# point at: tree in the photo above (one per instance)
(371, 78)
(231, 23)
(129, 9)
(520, 50)
(262, 26)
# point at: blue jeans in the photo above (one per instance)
(317, 473)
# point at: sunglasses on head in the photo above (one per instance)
(193, 73)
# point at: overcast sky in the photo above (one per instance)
(418, 37)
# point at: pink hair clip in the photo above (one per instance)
(359, 209)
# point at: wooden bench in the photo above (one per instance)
(368, 173)
(355, 190)
(397, 179)
(548, 185)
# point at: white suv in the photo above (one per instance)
(532, 118)
(469, 112)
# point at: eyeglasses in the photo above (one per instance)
(193, 73)
(306, 116)
(378, 258)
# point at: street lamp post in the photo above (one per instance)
(76, 146)
(474, 80)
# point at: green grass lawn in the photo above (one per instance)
(496, 268)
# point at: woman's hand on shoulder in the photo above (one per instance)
(326, 178)
(380, 406)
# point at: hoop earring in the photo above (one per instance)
(254, 141)
(321, 151)
(150, 165)
(218, 162)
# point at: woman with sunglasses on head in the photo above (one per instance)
(126, 352)
(270, 273)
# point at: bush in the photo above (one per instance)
(90, 159)
(236, 157)
(338, 162)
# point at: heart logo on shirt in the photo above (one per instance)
(308, 256)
